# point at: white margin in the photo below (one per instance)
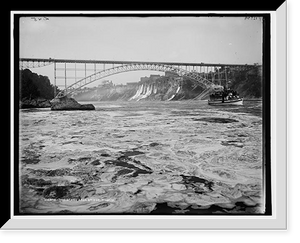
(277, 221)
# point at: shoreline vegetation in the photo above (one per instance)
(36, 91)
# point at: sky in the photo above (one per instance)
(163, 39)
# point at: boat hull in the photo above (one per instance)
(226, 102)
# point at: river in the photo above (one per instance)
(174, 157)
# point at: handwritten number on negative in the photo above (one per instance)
(39, 18)
(252, 18)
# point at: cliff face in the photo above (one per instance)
(248, 83)
(111, 93)
(160, 89)
(164, 88)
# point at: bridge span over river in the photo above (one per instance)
(79, 73)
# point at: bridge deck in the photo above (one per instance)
(131, 62)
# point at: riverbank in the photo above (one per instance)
(66, 103)
(55, 104)
(27, 103)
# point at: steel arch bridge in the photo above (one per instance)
(197, 72)
(135, 67)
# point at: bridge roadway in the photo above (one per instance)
(55, 60)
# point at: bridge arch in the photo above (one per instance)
(196, 77)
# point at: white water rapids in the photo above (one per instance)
(181, 157)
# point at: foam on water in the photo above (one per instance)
(181, 157)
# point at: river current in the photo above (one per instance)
(176, 157)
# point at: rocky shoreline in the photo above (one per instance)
(27, 103)
(64, 103)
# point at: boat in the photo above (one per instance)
(225, 97)
(235, 101)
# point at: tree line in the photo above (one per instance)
(34, 86)
(248, 83)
